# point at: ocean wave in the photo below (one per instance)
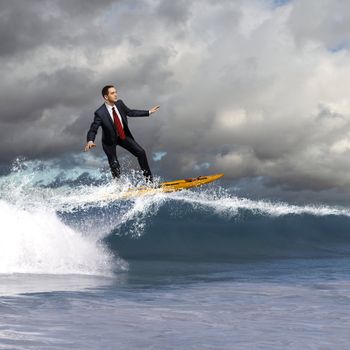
(73, 204)
(197, 230)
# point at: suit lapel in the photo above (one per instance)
(108, 117)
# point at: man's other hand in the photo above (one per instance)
(89, 145)
(154, 109)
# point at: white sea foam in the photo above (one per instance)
(37, 241)
(224, 203)
(28, 185)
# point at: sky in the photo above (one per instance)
(256, 89)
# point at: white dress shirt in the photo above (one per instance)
(109, 108)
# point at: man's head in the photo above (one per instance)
(109, 93)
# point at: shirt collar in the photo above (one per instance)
(109, 107)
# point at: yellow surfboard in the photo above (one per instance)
(189, 183)
(171, 186)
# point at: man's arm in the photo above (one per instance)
(137, 112)
(90, 137)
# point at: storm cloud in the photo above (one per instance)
(255, 89)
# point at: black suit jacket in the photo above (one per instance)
(109, 131)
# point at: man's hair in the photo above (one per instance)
(105, 90)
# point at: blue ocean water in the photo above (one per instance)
(199, 269)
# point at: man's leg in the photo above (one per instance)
(111, 154)
(134, 148)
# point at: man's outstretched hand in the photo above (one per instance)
(154, 109)
(89, 145)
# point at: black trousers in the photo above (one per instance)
(135, 149)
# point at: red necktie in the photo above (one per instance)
(118, 124)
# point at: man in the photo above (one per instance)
(112, 118)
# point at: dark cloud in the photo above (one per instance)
(68, 86)
(23, 26)
(27, 26)
(173, 13)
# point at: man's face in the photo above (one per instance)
(112, 95)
